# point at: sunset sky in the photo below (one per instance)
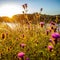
(11, 7)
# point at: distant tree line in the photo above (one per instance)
(33, 18)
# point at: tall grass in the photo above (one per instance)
(35, 39)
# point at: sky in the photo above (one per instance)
(50, 7)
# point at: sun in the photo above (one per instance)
(10, 10)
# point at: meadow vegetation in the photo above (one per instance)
(31, 39)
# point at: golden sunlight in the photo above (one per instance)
(10, 10)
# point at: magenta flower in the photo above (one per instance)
(50, 48)
(47, 31)
(41, 23)
(22, 45)
(21, 54)
(56, 35)
(52, 23)
(50, 40)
